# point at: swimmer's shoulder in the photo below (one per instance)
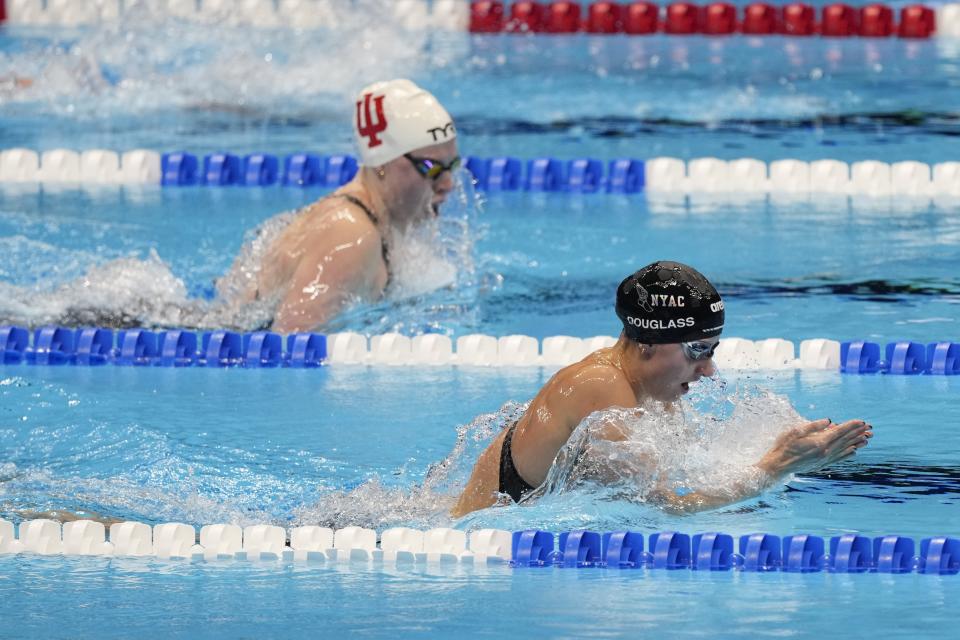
(332, 220)
(342, 208)
(593, 384)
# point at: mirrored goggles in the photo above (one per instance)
(430, 168)
(700, 349)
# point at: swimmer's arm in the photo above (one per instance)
(325, 282)
(806, 447)
(753, 482)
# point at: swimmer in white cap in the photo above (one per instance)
(336, 250)
(672, 319)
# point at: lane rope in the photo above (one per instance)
(670, 550)
(662, 175)
(62, 346)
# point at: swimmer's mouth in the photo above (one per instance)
(686, 386)
(435, 208)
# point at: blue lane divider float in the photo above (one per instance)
(220, 169)
(623, 549)
(13, 343)
(580, 549)
(260, 169)
(943, 358)
(939, 555)
(257, 169)
(758, 552)
(532, 548)
(900, 358)
(51, 346)
(58, 346)
(579, 175)
(713, 552)
(136, 348)
(178, 168)
(177, 348)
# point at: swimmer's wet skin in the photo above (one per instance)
(672, 319)
(335, 251)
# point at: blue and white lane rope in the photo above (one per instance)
(179, 348)
(712, 551)
(576, 176)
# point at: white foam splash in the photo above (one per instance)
(710, 448)
(425, 504)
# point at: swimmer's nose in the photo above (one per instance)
(707, 368)
(443, 184)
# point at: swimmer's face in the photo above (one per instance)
(414, 197)
(671, 372)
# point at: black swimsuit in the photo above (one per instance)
(510, 481)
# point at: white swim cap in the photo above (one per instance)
(395, 117)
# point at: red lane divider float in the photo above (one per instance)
(685, 18)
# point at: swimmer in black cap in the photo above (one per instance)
(672, 319)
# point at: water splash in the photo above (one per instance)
(424, 505)
(710, 448)
(710, 443)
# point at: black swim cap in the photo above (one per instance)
(667, 302)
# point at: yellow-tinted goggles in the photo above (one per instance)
(430, 168)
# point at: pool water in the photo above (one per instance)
(345, 445)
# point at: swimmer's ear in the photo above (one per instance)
(381, 173)
(646, 350)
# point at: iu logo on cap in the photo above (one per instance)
(366, 125)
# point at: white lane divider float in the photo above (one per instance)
(261, 542)
(666, 175)
(91, 167)
(556, 351)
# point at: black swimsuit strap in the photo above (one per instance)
(376, 223)
(510, 481)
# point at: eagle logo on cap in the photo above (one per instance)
(643, 298)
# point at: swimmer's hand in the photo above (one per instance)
(803, 448)
(814, 445)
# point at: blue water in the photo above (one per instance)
(352, 445)
(803, 269)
